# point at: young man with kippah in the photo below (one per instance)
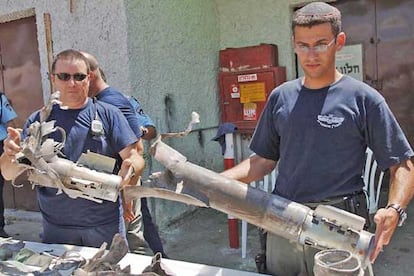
(317, 129)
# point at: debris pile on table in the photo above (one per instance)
(16, 259)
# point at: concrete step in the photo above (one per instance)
(15, 214)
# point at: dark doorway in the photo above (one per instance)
(20, 79)
(385, 30)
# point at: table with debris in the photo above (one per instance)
(32, 258)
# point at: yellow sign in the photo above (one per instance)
(252, 92)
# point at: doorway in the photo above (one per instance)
(384, 28)
(20, 80)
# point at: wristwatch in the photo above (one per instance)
(144, 130)
(401, 213)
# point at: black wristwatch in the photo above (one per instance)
(401, 213)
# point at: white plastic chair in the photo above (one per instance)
(268, 181)
(372, 187)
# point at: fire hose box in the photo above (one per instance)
(243, 95)
(248, 58)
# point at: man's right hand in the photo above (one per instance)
(9, 168)
(12, 142)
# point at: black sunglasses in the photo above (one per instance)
(66, 76)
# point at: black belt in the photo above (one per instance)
(333, 200)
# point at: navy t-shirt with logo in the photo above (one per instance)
(60, 209)
(113, 97)
(320, 136)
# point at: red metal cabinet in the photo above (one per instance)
(243, 95)
(248, 58)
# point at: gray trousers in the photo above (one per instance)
(135, 232)
(284, 258)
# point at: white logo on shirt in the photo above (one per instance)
(330, 121)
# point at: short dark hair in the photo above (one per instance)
(101, 72)
(317, 13)
(71, 54)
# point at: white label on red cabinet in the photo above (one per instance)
(250, 112)
(248, 77)
(235, 93)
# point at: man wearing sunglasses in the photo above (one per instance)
(80, 221)
(141, 231)
(317, 128)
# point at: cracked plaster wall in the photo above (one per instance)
(173, 64)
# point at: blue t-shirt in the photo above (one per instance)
(320, 137)
(114, 97)
(143, 118)
(7, 114)
(61, 209)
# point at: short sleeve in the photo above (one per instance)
(7, 111)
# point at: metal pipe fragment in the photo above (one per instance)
(325, 227)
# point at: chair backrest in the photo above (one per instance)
(372, 182)
(268, 182)
(372, 178)
(372, 188)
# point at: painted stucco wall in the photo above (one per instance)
(173, 61)
(173, 49)
(95, 26)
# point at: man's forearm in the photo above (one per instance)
(138, 163)
(239, 172)
(251, 169)
(133, 163)
(401, 183)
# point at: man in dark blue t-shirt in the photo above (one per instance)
(138, 238)
(76, 220)
(317, 129)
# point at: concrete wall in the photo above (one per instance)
(173, 49)
(248, 22)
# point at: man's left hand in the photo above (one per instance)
(386, 221)
(127, 172)
(128, 211)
